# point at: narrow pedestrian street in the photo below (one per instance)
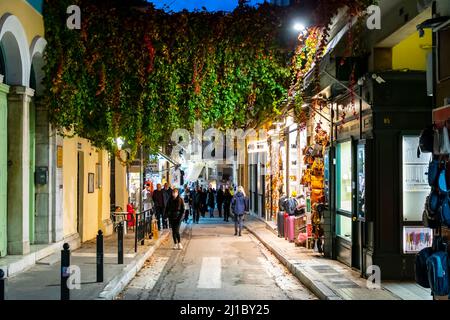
(215, 265)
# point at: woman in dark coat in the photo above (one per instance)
(226, 204)
(204, 197)
(175, 213)
(219, 199)
(211, 202)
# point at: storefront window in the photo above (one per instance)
(416, 239)
(361, 174)
(415, 184)
(344, 176)
(344, 227)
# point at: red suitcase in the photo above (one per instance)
(286, 216)
(290, 228)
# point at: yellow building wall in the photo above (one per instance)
(121, 184)
(412, 52)
(70, 186)
(31, 20)
(96, 205)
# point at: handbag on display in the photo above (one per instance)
(436, 142)
(426, 140)
(318, 150)
(445, 142)
(317, 195)
(433, 172)
(318, 167)
(431, 216)
(317, 182)
(306, 178)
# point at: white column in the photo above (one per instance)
(19, 170)
(58, 198)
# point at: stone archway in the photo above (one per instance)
(16, 54)
(45, 199)
(15, 48)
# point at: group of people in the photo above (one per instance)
(206, 200)
(172, 206)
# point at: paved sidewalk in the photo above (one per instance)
(329, 279)
(42, 282)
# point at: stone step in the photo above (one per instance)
(51, 259)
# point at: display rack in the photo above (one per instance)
(440, 117)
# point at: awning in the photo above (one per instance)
(193, 171)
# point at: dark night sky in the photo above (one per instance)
(210, 5)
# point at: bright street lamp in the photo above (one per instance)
(120, 142)
(300, 28)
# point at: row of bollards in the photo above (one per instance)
(66, 267)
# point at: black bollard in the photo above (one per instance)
(65, 274)
(100, 256)
(2, 285)
(120, 243)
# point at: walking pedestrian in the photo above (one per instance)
(175, 211)
(220, 197)
(227, 197)
(204, 197)
(187, 203)
(239, 205)
(211, 201)
(167, 193)
(147, 198)
(158, 200)
(197, 204)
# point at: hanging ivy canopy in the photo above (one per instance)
(138, 73)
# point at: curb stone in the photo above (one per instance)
(322, 291)
(119, 282)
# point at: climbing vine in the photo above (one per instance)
(139, 73)
(312, 47)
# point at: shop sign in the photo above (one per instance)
(59, 156)
(153, 167)
(257, 146)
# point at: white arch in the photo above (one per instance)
(37, 46)
(37, 49)
(17, 54)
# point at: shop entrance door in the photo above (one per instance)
(345, 185)
(358, 217)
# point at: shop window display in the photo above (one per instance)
(344, 176)
(313, 180)
(416, 239)
(415, 183)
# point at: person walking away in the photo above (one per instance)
(197, 204)
(239, 205)
(227, 197)
(174, 212)
(147, 198)
(204, 197)
(211, 202)
(158, 200)
(187, 203)
(167, 193)
(220, 197)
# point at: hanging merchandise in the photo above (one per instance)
(436, 142)
(426, 140)
(445, 145)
